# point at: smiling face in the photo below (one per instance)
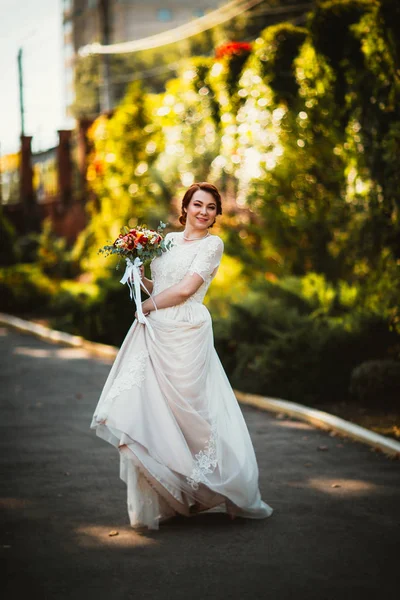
(201, 211)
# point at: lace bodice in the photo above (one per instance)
(201, 257)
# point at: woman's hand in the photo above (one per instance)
(145, 314)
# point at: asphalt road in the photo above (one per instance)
(334, 533)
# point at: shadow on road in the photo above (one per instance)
(333, 533)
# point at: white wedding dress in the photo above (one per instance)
(168, 406)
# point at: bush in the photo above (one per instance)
(25, 288)
(71, 295)
(100, 312)
(9, 254)
(271, 348)
(281, 46)
(53, 255)
(27, 246)
(376, 383)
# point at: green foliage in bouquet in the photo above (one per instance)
(140, 242)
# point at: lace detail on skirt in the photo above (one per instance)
(205, 461)
(132, 374)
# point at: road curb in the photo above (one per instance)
(317, 418)
(323, 420)
(57, 337)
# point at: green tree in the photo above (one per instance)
(125, 147)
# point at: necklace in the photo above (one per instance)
(194, 239)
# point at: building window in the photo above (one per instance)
(164, 15)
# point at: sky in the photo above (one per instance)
(36, 27)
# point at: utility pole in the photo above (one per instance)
(21, 91)
(106, 99)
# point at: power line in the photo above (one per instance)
(174, 66)
(177, 34)
(280, 10)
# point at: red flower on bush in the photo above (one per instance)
(232, 48)
(98, 165)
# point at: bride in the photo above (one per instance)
(167, 404)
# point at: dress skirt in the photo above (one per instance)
(168, 407)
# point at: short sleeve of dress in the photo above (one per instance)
(208, 258)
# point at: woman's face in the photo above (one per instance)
(201, 210)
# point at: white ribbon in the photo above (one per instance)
(133, 279)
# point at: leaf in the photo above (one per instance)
(323, 448)
(336, 485)
(113, 533)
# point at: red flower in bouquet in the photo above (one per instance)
(138, 245)
(139, 242)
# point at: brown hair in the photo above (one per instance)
(206, 187)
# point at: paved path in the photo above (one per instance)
(61, 495)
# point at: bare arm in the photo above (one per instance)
(148, 284)
(145, 282)
(176, 294)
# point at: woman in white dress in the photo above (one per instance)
(167, 404)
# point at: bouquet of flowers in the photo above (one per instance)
(137, 245)
(139, 242)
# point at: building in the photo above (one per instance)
(112, 21)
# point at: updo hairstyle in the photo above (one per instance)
(206, 187)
